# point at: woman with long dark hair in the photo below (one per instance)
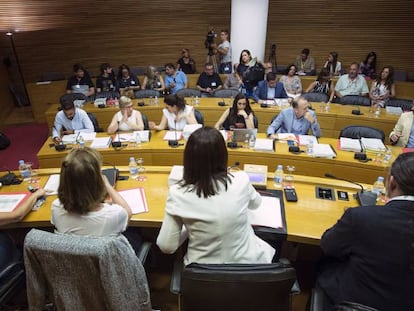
(383, 88)
(240, 115)
(333, 65)
(209, 206)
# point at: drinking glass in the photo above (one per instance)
(141, 168)
(289, 176)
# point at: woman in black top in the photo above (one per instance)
(240, 115)
(186, 64)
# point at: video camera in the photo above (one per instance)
(211, 35)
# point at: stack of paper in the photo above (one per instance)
(101, 142)
(269, 213)
(286, 136)
(9, 201)
(305, 140)
(69, 139)
(52, 184)
(350, 144)
(263, 144)
(394, 110)
(144, 135)
(372, 144)
(323, 151)
(87, 136)
(136, 200)
(173, 135)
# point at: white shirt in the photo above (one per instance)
(179, 124)
(110, 220)
(218, 227)
(132, 119)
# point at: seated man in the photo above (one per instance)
(370, 248)
(351, 83)
(80, 82)
(403, 133)
(269, 89)
(297, 120)
(305, 63)
(106, 80)
(70, 120)
(175, 80)
(208, 82)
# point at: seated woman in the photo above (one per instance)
(240, 115)
(186, 63)
(127, 83)
(233, 80)
(127, 119)
(9, 251)
(81, 208)
(175, 115)
(333, 65)
(323, 84)
(383, 88)
(368, 67)
(291, 82)
(209, 206)
(153, 80)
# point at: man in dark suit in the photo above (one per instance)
(370, 248)
(269, 89)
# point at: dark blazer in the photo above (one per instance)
(261, 91)
(370, 250)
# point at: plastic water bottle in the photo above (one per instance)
(278, 178)
(309, 149)
(24, 169)
(246, 141)
(387, 156)
(252, 141)
(197, 101)
(156, 101)
(133, 168)
(81, 142)
(378, 112)
(379, 188)
(327, 107)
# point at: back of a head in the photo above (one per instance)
(270, 76)
(81, 185)
(205, 161)
(402, 170)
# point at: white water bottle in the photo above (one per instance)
(197, 101)
(81, 142)
(388, 155)
(24, 169)
(378, 188)
(133, 167)
(278, 178)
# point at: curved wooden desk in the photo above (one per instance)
(306, 219)
(338, 117)
(157, 152)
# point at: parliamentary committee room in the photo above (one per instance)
(206, 155)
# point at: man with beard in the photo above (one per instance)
(351, 83)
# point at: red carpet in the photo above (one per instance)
(26, 140)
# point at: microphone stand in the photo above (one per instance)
(117, 144)
(174, 143)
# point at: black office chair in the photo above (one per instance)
(358, 131)
(355, 100)
(95, 122)
(255, 122)
(107, 94)
(145, 121)
(189, 92)
(52, 76)
(316, 97)
(146, 93)
(241, 287)
(405, 104)
(226, 93)
(78, 99)
(199, 117)
(12, 282)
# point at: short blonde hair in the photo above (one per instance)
(81, 187)
(124, 101)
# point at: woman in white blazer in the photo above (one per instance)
(209, 206)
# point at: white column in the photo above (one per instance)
(248, 27)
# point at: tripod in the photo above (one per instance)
(212, 59)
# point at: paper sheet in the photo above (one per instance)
(101, 142)
(9, 201)
(172, 135)
(52, 184)
(136, 200)
(268, 214)
(263, 144)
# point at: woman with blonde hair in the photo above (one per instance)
(127, 119)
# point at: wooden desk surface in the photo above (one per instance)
(158, 153)
(306, 219)
(331, 122)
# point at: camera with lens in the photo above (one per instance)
(211, 35)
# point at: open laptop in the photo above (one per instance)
(239, 135)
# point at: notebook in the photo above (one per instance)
(239, 135)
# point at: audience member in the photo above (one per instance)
(291, 82)
(233, 80)
(9, 251)
(127, 83)
(209, 206)
(224, 50)
(106, 80)
(383, 88)
(175, 115)
(240, 115)
(305, 64)
(403, 133)
(186, 63)
(80, 82)
(127, 119)
(208, 82)
(368, 67)
(242, 70)
(323, 84)
(369, 250)
(175, 80)
(297, 120)
(333, 65)
(81, 208)
(153, 80)
(269, 89)
(351, 83)
(70, 120)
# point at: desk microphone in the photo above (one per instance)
(117, 144)
(174, 143)
(364, 198)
